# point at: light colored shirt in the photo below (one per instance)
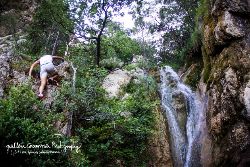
(46, 59)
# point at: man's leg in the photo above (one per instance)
(54, 80)
(42, 86)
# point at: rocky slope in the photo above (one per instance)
(226, 57)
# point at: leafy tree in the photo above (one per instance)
(120, 45)
(91, 19)
(177, 20)
(47, 32)
(173, 20)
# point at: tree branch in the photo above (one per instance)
(105, 19)
(54, 47)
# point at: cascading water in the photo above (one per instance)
(74, 78)
(183, 112)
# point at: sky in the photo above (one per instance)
(125, 20)
(153, 17)
(128, 23)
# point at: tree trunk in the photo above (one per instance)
(98, 51)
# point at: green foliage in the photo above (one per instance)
(91, 19)
(24, 121)
(194, 76)
(81, 56)
(202, 12)
(182, 44)
(120, 45)
(177, 35)
(121, 128)
(207, 66)
(111, 63)
(50, 27)
(140, 63)
(194, 42)
(131, 67)
(10, 21)
(111, 131)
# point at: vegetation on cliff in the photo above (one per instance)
(103, 131)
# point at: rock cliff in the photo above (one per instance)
(226, 57)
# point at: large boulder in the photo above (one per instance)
(114, 81)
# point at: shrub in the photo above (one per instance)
(111, 131)
(24, 121)
(111, 63)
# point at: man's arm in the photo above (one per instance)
(32, 66)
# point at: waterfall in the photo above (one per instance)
(74, 78)
(183, 112)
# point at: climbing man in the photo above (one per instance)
(46, 67)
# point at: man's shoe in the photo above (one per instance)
(40, 96)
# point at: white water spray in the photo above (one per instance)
(184, 143)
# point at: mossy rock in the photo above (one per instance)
(155, 73)
(194, 76)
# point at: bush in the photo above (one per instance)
(111, 131)
(111, 63)
(24, 121)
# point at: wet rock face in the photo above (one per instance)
(236, 6)
(223, 99)
(159, 148)
(181, 108)
(228, 112)
(228, 103)
(232, 22)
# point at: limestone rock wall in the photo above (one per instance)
(226, 56)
